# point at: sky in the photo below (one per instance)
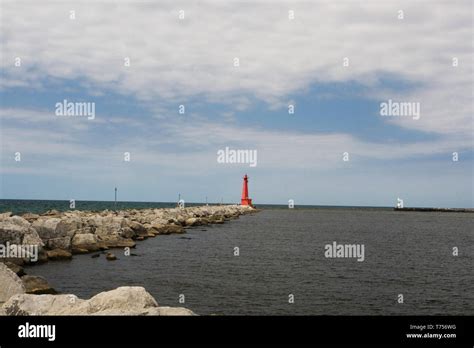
(335, 62)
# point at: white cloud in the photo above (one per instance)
(173, 60)
(186, 145)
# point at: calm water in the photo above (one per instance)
(282, 253)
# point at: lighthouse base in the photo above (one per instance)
(246, 201)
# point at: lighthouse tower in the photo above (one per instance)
(245, 193)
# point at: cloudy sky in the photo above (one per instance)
(335, 61)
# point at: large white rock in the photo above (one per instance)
(127, 300)
(46, 227)
(57, 233)
(17, 230)
(108, 227)
(86, 241)
(10, 283)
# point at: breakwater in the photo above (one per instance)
(446, 210)
(58, 235)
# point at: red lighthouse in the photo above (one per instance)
(245, 193)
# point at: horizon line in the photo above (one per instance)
(230, 203)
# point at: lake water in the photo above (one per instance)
(282, 253)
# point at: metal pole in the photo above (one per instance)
(115, 203)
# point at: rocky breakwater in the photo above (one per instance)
(33, 238)
(59, 235)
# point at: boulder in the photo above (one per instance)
(107, 227)
(159, 221)
(168, 229)
(110, 257)
(37, 285)
(84, 242)
(57, 233)
(15, 268)
(32, 238)
(180, 220)
(123, 299)
(192, 222)
(127, 300)
(59, 254)
(69, 226)
(10, 283)
(109, 231)
(30, 217)
(137, 228)
(42, 256)
(119, 243)
(46, 227)
(127, 232)
(5, 215)
(28, 304)
(152, 232)
(17, 230)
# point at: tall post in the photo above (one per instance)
(115, 201)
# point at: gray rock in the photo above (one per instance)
(10, 283)
(192, 222)
(28, 304)
(59, 254)
(126, 299)
(56, 232)
(36, 285)
(168, 229)
(46, 227)
(30, 217)
(127, 232)
(17, 230)
(138, 228)
(85, 241)
(121, 301)
(15, 268)
(5, 215)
